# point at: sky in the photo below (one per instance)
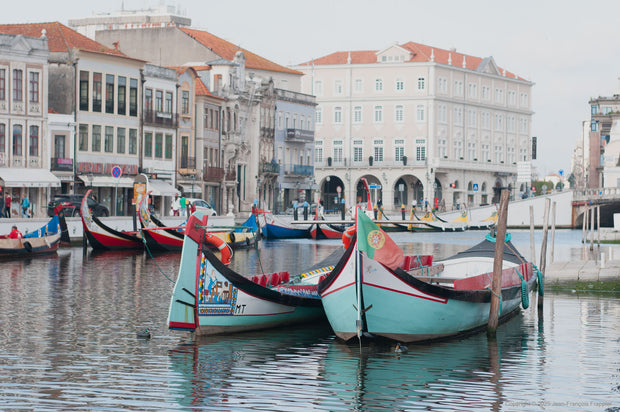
(568, 49)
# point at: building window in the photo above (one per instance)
(499, 122)
(458, 116)
(84, 90)
(499, 153)
(458, 88)
(318, 151)
(17, 140)
(400, 85)
(318, 88)
(511, 123)
(148, 100)
(358, 151)
(378, 150)
(83, 137)
(338, 87)
(133, 141)
(358, 86)
(420, 113)
(485, 152)
(378, 85)
(169, 101)
(524, 99)
(108, 143)
(458, 149)
(471, 150)
(510, 153)
(499, 95)
(442, 85)
(159, 145)
(120, 140)
(485, 119)
(442, 113)
(17, 85)
(109, 93)
(318, 116)
(357, 114)
(133, 97)
(2, 138)
(473, 90)
(159, 101)
(442, 147)
(33, 147)
(168, 146)
(97, 79)
(148, 144)
(471, 118)
(420, 150)
(96, 140)
(512, 97)
(34, 87)
(122, 95)
(378, 114)
(185, 102)
(523, 125)
(399, 149)
(399, 113)
(2, 84)
(338, 151)
(421, 83)
(486, 92)
(337, 114)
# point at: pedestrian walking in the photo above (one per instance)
(176, 205)
(183, 205)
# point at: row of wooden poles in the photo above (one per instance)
(588, 215)
(499, 255)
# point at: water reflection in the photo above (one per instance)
(68, 328)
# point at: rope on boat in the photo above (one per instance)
(146, 247)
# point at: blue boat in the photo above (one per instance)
(452, 297)
(275, 228)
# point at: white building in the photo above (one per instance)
(24, 152)
(419, 122)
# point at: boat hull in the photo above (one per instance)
(29, 247)
(209, 298)
(398, 306)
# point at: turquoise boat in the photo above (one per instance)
(423, 302)
(209, 298)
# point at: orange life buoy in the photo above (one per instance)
(347, 235)
(222, 246)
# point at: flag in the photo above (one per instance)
(376, 243)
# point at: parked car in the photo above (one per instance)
(202, 205)
(71, 204)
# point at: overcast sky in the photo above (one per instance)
(569, 49)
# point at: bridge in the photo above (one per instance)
(570, 207)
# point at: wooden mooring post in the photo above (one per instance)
(532, 242)
(496, 285)
(551, 258)
(543, 251)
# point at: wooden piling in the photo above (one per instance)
(598, 225)
(583, 225)
(498, 263)
(543, 250)
(532, 243)
(592, 210)
(552, 232)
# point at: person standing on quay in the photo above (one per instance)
(25, 206)
(7, 204)
(1, 203)
(183, 205)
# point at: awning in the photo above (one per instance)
(161, 188)
(191, 188)
(106, 181)
(26, 177)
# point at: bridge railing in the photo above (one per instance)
(601, 193)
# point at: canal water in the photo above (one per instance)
(68, 340)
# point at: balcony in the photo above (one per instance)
(61, 164)
(161, 119)
(267, 132)
(213, 174)
(231, 175)
(270, 167)
(187, 163)
(300, 170)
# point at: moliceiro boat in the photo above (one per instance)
(102, 237)
(210, 298)
(376, 293)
